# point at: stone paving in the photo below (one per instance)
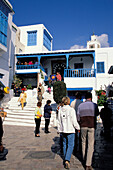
(27, 152)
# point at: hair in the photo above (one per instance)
(39, 104)
(48, 101)
(88, 95)
(65, 101)
(78, 95)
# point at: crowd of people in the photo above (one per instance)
(76, 123)
(26, 63)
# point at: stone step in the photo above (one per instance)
(25, 117)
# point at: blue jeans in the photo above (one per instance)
(68, 145)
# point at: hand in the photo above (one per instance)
(78, 131)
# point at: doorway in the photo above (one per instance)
(58, 67)
(78, 65)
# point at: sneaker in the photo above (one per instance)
(67, 165)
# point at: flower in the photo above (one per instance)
(102, 98)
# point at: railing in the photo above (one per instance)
(33, 66)
(79, 72)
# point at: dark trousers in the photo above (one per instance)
(47, 121)
(77, 147)
(37, 121)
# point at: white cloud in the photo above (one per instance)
(77, 47)
(103, 39)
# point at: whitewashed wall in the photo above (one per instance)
(104, 55)
(87, 61)
(80, 82)
(23, 38)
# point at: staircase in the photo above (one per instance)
(25, 117)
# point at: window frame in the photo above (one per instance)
(99, 66)
(32, 38)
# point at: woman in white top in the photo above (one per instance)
(67, 123)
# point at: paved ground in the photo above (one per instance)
(26, 152)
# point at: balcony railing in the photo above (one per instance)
(33, 66)
(79, 72)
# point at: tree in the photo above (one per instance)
(17, 81)
(59, 91)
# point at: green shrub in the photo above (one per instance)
(29, 86)
(102, 98)
(17, 81)
(59, 91)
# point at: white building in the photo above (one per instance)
(7, 42)
(82, 70)
(36, 38)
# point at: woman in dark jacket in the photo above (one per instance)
(47, 115)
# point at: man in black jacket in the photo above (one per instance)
(47, 115)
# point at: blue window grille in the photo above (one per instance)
(100, 67)
(32, 38)
(47, 40)
(3, 28)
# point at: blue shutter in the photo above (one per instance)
(100, 67)
(32, 38)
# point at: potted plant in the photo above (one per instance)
(102, 98)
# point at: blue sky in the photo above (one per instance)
(71, 22)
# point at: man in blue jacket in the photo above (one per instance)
(47, 114)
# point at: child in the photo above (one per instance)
(47, 115)
(38, 115)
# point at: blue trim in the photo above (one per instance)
(67, 60)
(94, 62)
(52, 54)
(78, 89)
(21, 56)
(100, 67)
(39, 57)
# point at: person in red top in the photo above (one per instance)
(30, 63)
(58, 76)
